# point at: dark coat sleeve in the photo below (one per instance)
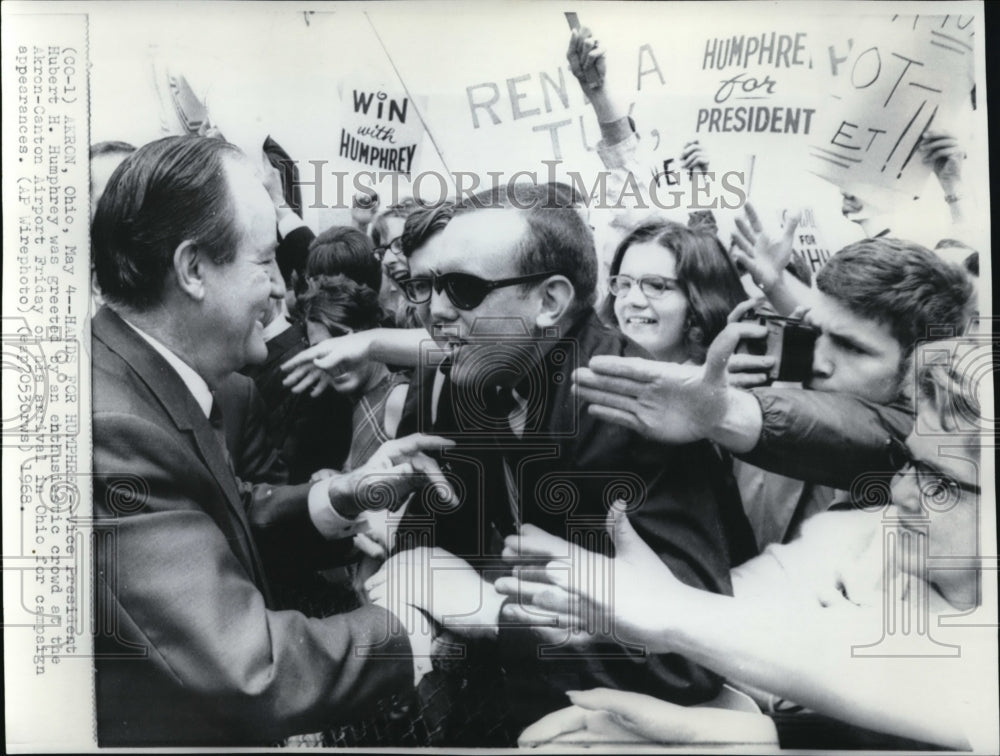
(826, 438)
(188, 652)
(293, 251)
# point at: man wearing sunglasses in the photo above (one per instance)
(508, 294)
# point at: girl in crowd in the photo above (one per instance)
(671, 290)
(335, 306)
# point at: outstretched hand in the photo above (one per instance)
(764, 257)
(312, 368)
(694, 157)
(945, 155)
(603, 715)
(665, 401)
(396, 469)
(747, 370)
(560, 595)
(440, 584)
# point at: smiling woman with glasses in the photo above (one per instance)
(671, 289)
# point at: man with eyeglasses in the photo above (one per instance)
(509, 296)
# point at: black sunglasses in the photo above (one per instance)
(465, 290)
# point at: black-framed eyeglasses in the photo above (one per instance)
(931, 482)
(652, 287)
(465, 290)
(396, 245)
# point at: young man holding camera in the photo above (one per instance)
(876, 298)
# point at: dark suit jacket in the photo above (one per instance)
(570, 468)
(189, 650)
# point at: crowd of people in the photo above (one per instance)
(451, 476)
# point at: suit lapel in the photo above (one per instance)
(177, 401)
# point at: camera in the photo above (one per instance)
(789, 340)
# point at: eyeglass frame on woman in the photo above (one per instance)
(439, 283)
(381, 249)
(642, 285)
(901, 458)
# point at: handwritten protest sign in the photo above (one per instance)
(901, 77)
(809, 243)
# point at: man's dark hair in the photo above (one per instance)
(380, 226)
(424, 223)
(338, 302)
(525, 196)
(558, 240)
(344, 250)
(705, 275)
(898, 283)
(111, 148)
(971, 264)
(169, 191)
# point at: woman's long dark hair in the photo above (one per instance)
(705, 275)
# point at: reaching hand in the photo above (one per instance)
(362, 216)
(694, 157)
(765, 259)
(747, 370)
(396, 469)
(664, 401)
(585, 592)
(851, 205)
(943, 152)
(312, 368)
(272, 182)
(603, 715)
(440, 584)
(586, 59)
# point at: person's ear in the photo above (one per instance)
(189, 269)
(557, 295)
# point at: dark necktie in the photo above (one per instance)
(215, 420)
(499, 405)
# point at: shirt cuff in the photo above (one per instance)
(288, 223)
(619, 155)
(328, 521)
(421, 666)
(422, 643)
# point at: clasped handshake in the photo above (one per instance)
(564, 592)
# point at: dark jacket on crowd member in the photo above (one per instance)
(254, 457)
(827, 438)
(566, 470)
(311, 433)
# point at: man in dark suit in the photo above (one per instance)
(509, 295)
(189, 650)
